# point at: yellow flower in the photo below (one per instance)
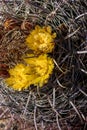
(41, 40)
(36, 72)
(18, 77)
(42, 67)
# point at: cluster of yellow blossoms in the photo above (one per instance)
(39, 67)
